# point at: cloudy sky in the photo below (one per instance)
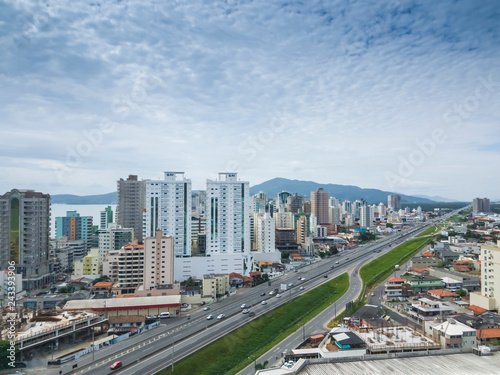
(396, 95)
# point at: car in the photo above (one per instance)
(184, 305)
(251, 313)
(347, 258)
(206, 308)
(278, 295)
(325, 276)
(202, 303)
(291, 284)
(116, 365)
(301, 288)
(263, 303)
(164, 315)
(299, 278)
(263, 294)
(246, 311)
(337, 262)
(221, 316)
(332, 267)
(244, 306)
(210, 317)
(271, 293)
(304, 279)
(296, 271)
(372, 294)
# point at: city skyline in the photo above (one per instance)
(393, 96)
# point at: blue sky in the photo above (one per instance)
(395, 95)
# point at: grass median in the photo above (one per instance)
(238, 349)
(428, 231)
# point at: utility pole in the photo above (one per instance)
(93, 356)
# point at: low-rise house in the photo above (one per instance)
(215, 285)
(451, 284)
(424, 262)
(442, 294)
(397, 287)
(235, 279)
(489, 336)
(469, 282)
(103, 289)
(453, 334)
(426, 310)
(423, 283)
(125, 323)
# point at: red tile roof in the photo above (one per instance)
(427, 253)
(234, 275)
(489, 333)
(255, 273)
(443, 293)
(396, 280)
(103, 284)
(461, 268)
(476, 309)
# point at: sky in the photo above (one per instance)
(395, 95)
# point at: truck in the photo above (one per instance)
(397, 266)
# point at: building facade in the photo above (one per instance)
(158, 261)
(75, 227)
(394, 202)
(24, 235)
(131, 202)
(319, 205)
(168, 208)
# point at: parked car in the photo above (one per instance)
(184, 305)
(221, 316)
(206, 308)
(210, 317)
(116, 365)
(164, 315)
(246, 311)
(263, 303)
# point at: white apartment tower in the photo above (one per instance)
(168, 208)
(489, 298)
(227, 215)
(265, 233)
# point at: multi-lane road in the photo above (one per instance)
(152, 351)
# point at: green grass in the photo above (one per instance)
(238, 349)
(430, 230)
(381, 268)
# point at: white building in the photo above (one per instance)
(168, 208)
(366, 216)
(266, 234)
(227, 215)
(335, 215)
(283, 219)
(158, 261)
(114, 237)
(489, 298)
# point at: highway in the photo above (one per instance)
(149, 352)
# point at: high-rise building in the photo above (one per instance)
(125, 266)
(489, 298)
(335, 215)
(294, 203)
(282, 198)
(480, 205)
(113, 238)
(158, 261)
(131, 202)
(106, 218)
(259, 201)
(227, 215)
(168, 207)
(24, 235)
(366, 216)
(394, 202)
(381, 210)
(265, 234)
(75, 227)
(319, 205)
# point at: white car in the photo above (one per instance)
(291, 284)
(271, 293)
(263, 303)
(206, 308)
(246, 311)
(244, 306)
(210, 317)
(301, 288)
(304, 279)
(221, 316)
(278, 295)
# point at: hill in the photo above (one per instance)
(342, 192)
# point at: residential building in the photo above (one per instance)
(198, 227)
(125, 266)
(90, 264)
(453, 334)
(112, 238)
(286, 239)
(319, 205)
(282, 198)
(216, 285)
(396, 287)
(131, 202)
(424, 262)
(259, 201)
(442, 294)
(227, 215)
(75, 227)
(394, 202)
(335, 215)
(266, 234)
(7, 288)
(24, 236)
(158, 261)
(489, 296)
(294, 203)
(168, 208)
(427, 309)
(480, 205)
(469, 282)
(366, 216)
(423, 283)
(106, 218)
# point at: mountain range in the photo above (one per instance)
(277, 185)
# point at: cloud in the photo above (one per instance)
(186, 84)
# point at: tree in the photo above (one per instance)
(389, 225)
(188, 282)
(4, 359)
(442, 265)
(99, 279)
(461, 292)
(333, 250)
